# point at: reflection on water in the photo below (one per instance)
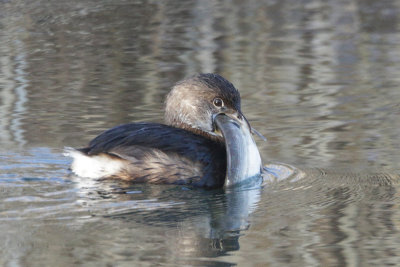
(318, 79)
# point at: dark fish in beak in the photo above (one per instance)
(243, 158)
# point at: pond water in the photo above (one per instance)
(318, 78)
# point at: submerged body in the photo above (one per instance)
(207, 142)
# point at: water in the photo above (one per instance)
(318, 78)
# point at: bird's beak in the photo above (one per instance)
(243, 158)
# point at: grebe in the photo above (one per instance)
(206, 141)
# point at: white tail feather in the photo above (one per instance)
(97, 166)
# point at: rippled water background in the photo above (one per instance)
(318, 78)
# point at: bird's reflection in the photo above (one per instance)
(192, 222)
(196, 222)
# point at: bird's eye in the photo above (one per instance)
(218, 102)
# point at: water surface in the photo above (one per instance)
(318, 78)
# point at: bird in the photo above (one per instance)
(206, 141)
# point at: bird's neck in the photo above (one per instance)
(190, 128)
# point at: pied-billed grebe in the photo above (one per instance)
(206, 141)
